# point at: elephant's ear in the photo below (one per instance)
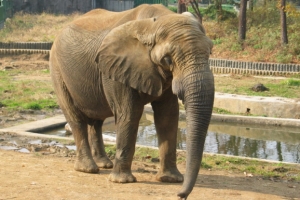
(124, 57)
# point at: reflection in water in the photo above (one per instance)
(272, 143)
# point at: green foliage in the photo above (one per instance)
(283, 58)
(264, 16)
(173, 8)
(263, 37)
(217, 41)
(212, 13)
(236, 47)
(204, 165)
(110, 150)
(291, 82)
(33, 106)
(221, 111)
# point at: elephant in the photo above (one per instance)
(108, 63)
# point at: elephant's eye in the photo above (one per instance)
(166, 62)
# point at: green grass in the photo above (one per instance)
(275, 90)
(218, 162)
(25, 94)
(221, 111)
(291, 82)
(255, 167)
(242, 84)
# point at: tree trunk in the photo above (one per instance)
(218, 4)
(284, 36)
(251, 5)
(242, 20)
(181, 7)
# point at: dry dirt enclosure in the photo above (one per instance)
(37, 175)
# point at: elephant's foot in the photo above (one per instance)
(122, 177)
(86, 165)
(103, 162)
(171, 176)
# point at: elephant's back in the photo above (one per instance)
(97, 19)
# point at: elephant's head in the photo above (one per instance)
(144, 53)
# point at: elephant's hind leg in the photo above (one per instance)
(166, 113)
(97, 145)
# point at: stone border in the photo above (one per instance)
(26, 45)
(23, 51)
(223, 66)
(217, 66)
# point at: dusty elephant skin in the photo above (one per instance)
(111, 64)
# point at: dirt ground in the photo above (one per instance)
(47, 172)
(38, 176)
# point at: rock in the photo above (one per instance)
(155, 160)
(8, 68)
(68, 129)
(259, 88)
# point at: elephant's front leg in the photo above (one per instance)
(127, 126)
(166, 112)
(97, 145)
(84, 160)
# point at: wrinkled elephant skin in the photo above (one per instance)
(107, 64)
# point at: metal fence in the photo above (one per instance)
(117, 5)
(139, 2)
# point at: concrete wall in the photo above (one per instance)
(262, 106)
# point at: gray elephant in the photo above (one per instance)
(113, 63)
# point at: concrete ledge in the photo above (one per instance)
(256, 120)
(38, 126)
(277, 107)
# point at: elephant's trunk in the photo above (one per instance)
(198, 96)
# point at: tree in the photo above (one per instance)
(195, 7)
(284, 36)
(181, 7)
(242, 20)
(218, 5)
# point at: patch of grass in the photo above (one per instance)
(144, 154)
(221, 111)
(33, 106)
(26, 94)
(226, 163)
(291, 82)
(204, 165)
(239, 84)
(110, 150)
(255, 167)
